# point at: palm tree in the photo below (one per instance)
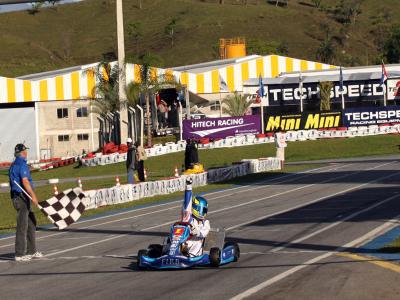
(325, 88)
(236, 105)
(105, 97)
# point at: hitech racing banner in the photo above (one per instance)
(365, 116)
(221, 127)
(281, 94)
(303, 121)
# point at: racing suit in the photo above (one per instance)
(199, 228)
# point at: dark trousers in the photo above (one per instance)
(25, 242)
(140, 169)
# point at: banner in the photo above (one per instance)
(221, 127)
(302, 121)
(393, 89)
(365, 116)
(360, 90)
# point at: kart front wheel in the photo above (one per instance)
(215, 257)
(154, 250)
(141, 253)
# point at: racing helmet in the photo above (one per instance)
(199, 207)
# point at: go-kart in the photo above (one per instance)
(172, 253)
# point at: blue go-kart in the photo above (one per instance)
(171, 254)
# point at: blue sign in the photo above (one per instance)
(365, 116)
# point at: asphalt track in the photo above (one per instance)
(290, 230)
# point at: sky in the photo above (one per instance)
(25, 6)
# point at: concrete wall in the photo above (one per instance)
(51, 127)
(17, 125)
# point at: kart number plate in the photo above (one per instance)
(170, 261)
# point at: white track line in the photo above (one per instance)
(232, 207)
(177, 201)
(275, 195)
(250, 292)
(312, 201)
(299, 240)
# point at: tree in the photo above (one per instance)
(317, 3)
(325, 95)
(236, 105)
(105, 96)
(326, 50)
(135, 31)
(262, 47)
(391, 48)
(170, 30)
(346, 12)
(381, 28)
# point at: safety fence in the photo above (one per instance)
(131, 192)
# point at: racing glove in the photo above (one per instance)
(194, 230)
(189, 181)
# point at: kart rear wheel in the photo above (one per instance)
(236, 249)
(154, 250)
(215, 257)
(141, 253)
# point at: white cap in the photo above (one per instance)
(129, 140)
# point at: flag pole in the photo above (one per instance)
(26, 194)
(342, 94)
(301, 92)
(262, 116)
(384, 96)
(301, 102)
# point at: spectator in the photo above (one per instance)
(21, 183)
(140, 158)
(280, 144)
(173, 116)
(191, 154)
(161, 113)
(131, 161)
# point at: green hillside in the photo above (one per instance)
(81, 33)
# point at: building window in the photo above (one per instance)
(82, 112)
(215, 106)
(63, 138)
(83, 137)
(62, 113)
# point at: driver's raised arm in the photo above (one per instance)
(187, 203)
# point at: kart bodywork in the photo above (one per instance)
(171, 254)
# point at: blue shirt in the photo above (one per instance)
(18, 170)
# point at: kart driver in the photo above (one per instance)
(194, 212)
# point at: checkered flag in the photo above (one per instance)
(64, 208)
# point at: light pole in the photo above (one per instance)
(121, 66)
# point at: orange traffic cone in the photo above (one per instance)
(117, 183)
(55, 189)
(176, 172)
(79, 181)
